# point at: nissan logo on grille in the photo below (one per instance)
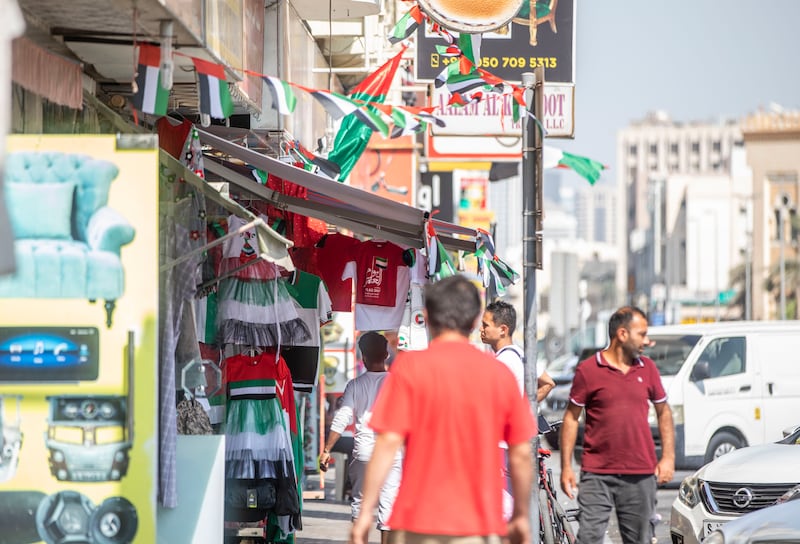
(742, 497)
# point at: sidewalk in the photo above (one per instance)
(327, 521)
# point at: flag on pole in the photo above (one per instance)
(150, 96)
(215, 97)
(353, 136)
(283, 98)
(587, 168)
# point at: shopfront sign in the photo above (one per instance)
(435, 195)
(493, 116)
(78, 342)
(521, 46)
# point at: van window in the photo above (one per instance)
(725, 356)
(669, 352)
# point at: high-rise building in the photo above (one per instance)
(649, 153)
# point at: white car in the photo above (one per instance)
(779, 523)
(734, 484)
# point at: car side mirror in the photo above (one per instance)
(700, 371)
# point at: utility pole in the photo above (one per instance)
(532, 242)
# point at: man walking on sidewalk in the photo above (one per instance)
(450, 405)
(357, 400)
(618, 468)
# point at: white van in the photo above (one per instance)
(729, 384)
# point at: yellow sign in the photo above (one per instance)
(78, 334)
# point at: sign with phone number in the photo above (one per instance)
(510, 51)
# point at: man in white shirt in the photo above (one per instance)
(497, 327)
(357, 400)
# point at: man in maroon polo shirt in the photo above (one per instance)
(619, 468)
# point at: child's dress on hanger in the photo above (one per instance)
(254, 308)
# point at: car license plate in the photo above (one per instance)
(711, 526)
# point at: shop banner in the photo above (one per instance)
(521, 46)
(78, 337)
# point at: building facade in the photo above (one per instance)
(773, 153)
(651, 153)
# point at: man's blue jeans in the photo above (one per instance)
(632, 495)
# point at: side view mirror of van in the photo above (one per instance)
(789, 430)
(700, 371)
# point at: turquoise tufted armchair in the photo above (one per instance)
(67, 241)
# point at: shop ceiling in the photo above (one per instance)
(330, 201)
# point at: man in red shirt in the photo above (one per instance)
(619, 468)
(450, 405)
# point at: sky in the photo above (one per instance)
(694, 59)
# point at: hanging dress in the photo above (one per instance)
(253, 307)
(259, 457)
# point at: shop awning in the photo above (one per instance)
(335, 203)
(272, 246)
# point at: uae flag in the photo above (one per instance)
(353, 135)
(587, 168)
(150, 96)
(215, 97)
(283, 98)
(407, 25)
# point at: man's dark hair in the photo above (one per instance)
(622, 318)
(373, 347)
(503, 313)
(452, 304)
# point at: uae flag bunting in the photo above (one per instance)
(329, 168)
(215, 97)
(407, 25)
(283, 98)
(150, 96)
(404, 123)
(470, 45)
(353, 135)
(440, 263)
(426, 115)
(496, 274)
(339, 106)
(587, 168)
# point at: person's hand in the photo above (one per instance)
(359, 532)
(519, 530)
(324, 459)
(665, 470)
(568, 483)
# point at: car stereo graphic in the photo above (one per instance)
(88, 437)
(48, 354)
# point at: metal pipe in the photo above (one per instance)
(530, 178)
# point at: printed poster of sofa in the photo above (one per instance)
(67, 241)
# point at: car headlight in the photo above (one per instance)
(689, 492)
(715, 538)
(792, 494)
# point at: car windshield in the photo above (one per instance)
(562, 364)
(669, 352)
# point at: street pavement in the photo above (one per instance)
(327, 520)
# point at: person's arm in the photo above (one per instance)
(665, 469)
(520, 466)
(566, 441)
(341, 419)
(544, 384)
(386, 446)
(325, 456)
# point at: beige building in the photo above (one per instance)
(773, 152)
(657, 158)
